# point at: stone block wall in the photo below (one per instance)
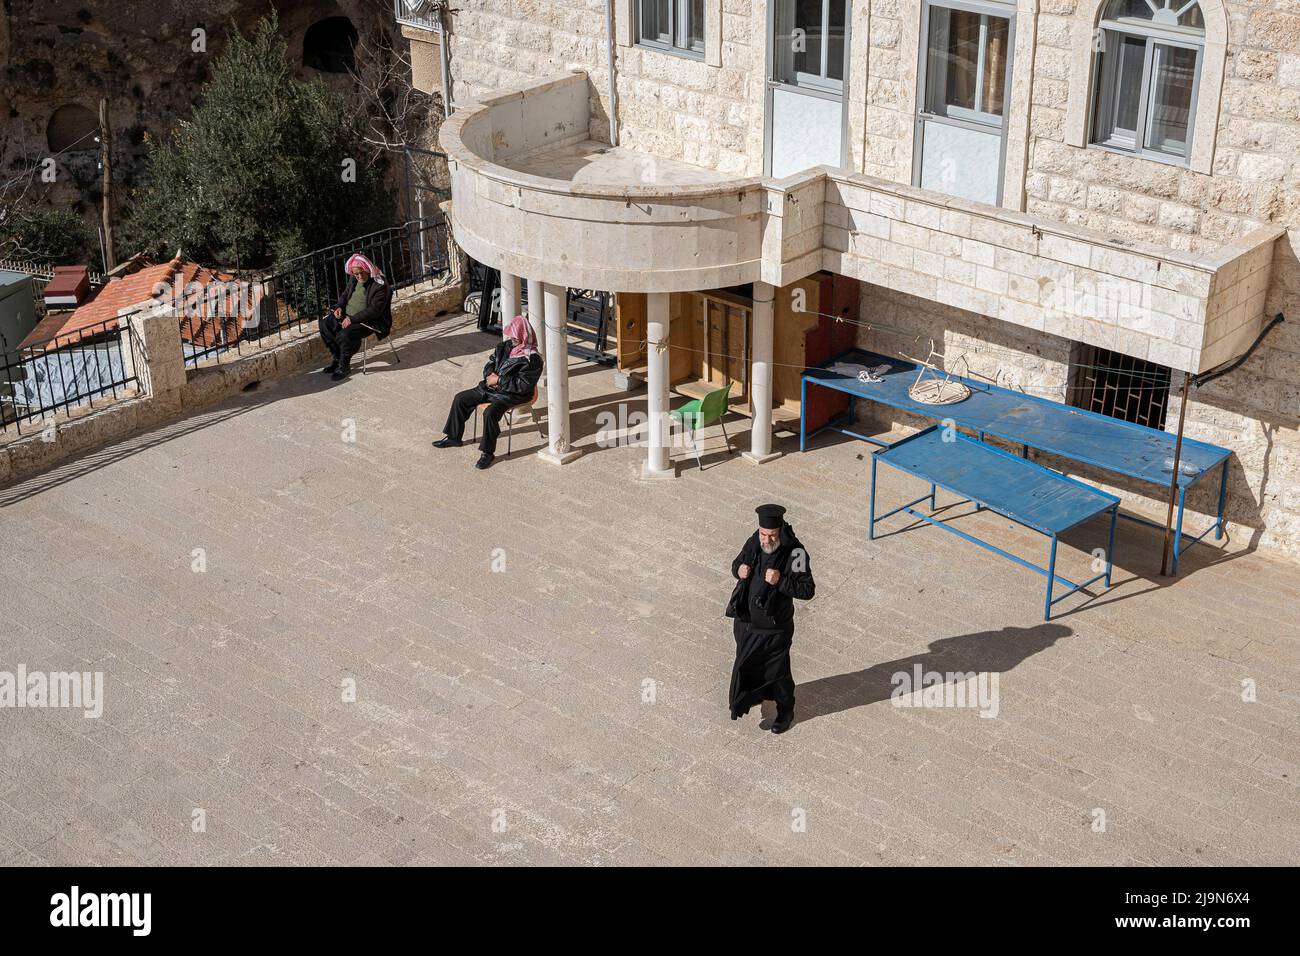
(1145, 302)
(675, 106)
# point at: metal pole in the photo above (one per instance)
(613, 86)
(871, 515)
(444, 34)
(1173, 481)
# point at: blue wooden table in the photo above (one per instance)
(1025, 492)
(1125, 448)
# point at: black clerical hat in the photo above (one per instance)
(770, 516)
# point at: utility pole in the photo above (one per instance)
(106, 164)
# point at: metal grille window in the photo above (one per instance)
(676, 25)
(1148, 71)
(1121, 386)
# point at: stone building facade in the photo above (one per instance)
(1080, 240)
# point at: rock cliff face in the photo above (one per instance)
(59, 57)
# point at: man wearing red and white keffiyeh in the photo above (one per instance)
(363, 309)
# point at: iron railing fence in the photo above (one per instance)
(51, 378)
(417, 13)
(428, 181)
(299, 291)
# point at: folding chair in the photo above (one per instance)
(365, 346)
(530, 405)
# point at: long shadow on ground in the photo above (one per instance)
(982, 652)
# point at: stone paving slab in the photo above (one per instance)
(506, 716)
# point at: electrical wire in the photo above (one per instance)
(1158, 383)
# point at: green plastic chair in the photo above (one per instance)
(701, 412)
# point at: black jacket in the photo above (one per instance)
(796, 579)
(378, 312)
(518, 376)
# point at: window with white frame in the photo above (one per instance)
(1148, 71)
(962, 93)
(674, 25)
(808, 47)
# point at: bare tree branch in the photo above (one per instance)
(390, 111)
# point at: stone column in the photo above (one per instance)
(154, 356)
(657, 462)
(536, 313)
(558, 450)
(509, 298)
(760, 378)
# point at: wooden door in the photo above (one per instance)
(839, 300)
(726, 336)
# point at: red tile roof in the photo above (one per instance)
(163, 282)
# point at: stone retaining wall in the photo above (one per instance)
(168, 390)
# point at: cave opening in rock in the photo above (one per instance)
(328, 45)
(72, 128)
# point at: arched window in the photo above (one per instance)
(1148, 72)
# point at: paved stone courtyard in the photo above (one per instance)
(540, 660)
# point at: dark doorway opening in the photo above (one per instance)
(329, 45)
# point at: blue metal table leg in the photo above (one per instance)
(1110, 546)
(871, 516)
(1178, 531)
(932, 499)
(1223, 497)
(803, 413)
(1051, 580)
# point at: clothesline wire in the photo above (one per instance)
(982, 349)
(1158, 384)
(71, 146)
(1045, 388)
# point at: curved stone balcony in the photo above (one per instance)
(535, 196)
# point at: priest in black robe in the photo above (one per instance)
(771, 570)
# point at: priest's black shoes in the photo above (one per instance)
(330, 369)
(484, 461)
(781, 726)
(447, 442)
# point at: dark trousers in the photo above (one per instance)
(342, 343)
(783, 694)
(462, 407)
